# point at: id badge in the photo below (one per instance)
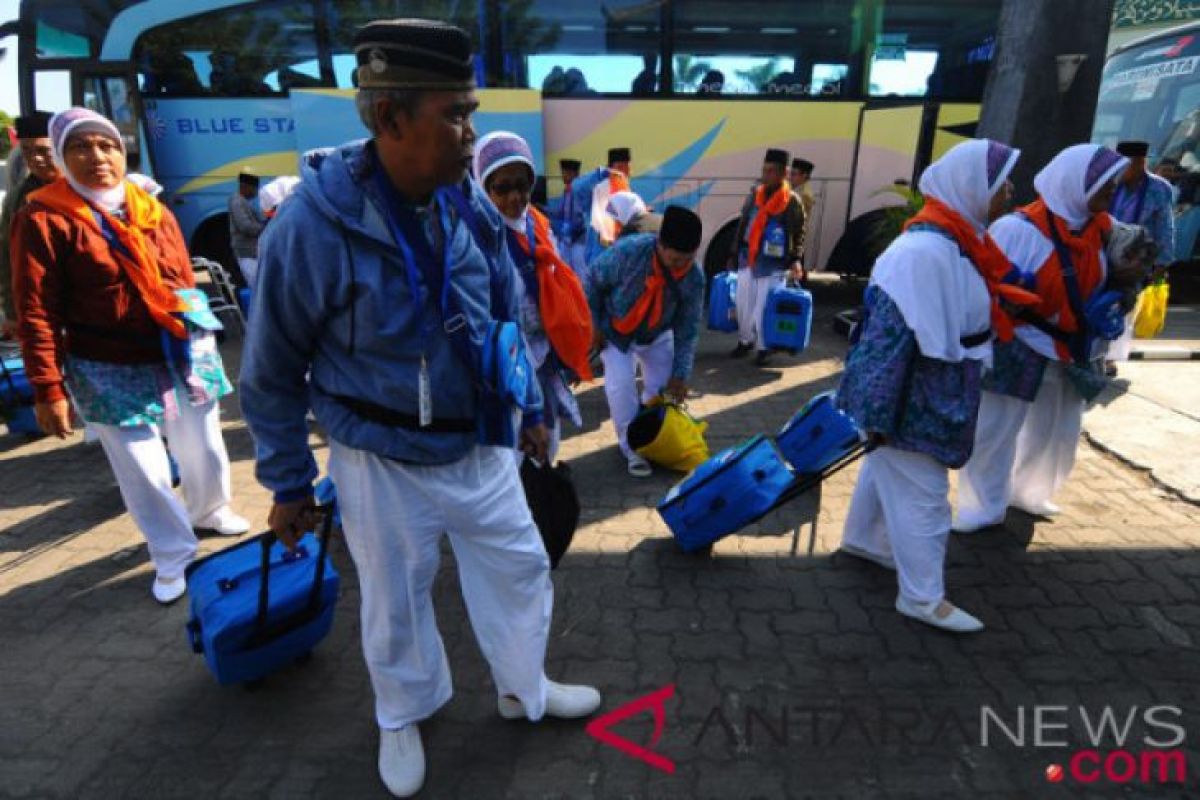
(773, 242)
(425, 395)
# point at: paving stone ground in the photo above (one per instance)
(792, 675)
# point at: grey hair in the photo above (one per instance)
(406, 100)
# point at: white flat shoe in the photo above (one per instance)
(887, 562)
(956, 621)
(168, 591)
(224, 522)
(402, 760)
(639, 467)
(1042, 509)
(563, 701)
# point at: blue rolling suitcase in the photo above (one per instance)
(728, 491)
(16, 397)
(817, 436)
(787, 319)
(257, 607)
(722, 303)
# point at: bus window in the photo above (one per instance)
(579, 49)
(347, 16)
(72, 28)
(767, 47)
(924, 48)
(263, 49)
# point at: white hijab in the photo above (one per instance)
(624, 206)
(967, 176)
(1068, 182)
(940, 295)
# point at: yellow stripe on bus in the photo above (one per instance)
(282, 162)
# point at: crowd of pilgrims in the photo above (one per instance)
(380, 275)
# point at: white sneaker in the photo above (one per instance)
(1043, 509)
(402, 760)
(224, 522)
(954, 620)
(168, 591)
(563, 701)
(887, 562)
(639, 467)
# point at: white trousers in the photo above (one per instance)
(143, 472)
(394, 516)
(1046, 445)
(1120, 348)
(751, 303)
(620, 379)
(900, 509)
(985, 482)
(249, 268)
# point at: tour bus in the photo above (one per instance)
(868, 90)
(1150, 91)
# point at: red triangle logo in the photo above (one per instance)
(599, 728)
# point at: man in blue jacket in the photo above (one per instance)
(380, 280)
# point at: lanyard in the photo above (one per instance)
(1141, 200)
(451, 322)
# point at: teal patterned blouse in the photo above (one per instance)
(128, 395)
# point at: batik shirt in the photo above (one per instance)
(1157, 212)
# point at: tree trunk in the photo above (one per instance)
(1022, 104)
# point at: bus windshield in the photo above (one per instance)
(1151, 92)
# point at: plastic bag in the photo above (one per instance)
(1151, 312)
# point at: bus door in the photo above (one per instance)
(111, 90)
(889, 136)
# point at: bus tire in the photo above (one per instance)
(211, 240)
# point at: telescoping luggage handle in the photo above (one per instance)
(312, 608)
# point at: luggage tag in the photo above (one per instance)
(424, 395)
(773, 241)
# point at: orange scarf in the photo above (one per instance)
(650, 304)
(1084, 248)
(772, 207)
(561, 299)
(145, 213)
(989, 260)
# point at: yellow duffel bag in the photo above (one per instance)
(665, 433)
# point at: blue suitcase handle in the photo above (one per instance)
(312, 608)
